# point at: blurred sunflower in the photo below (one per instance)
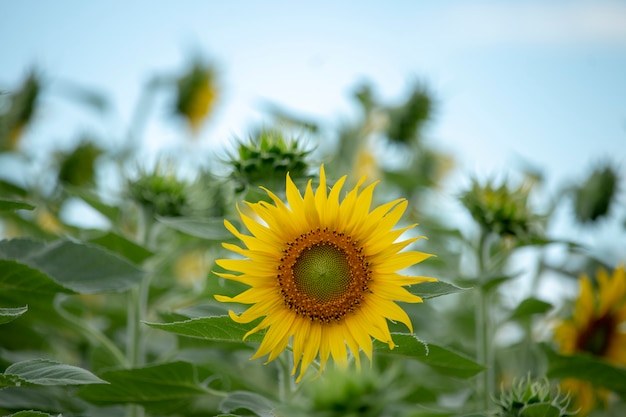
(197, 94)
(322, 271)
(596, 328)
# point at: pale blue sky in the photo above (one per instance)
(544, 80)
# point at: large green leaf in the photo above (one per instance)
(243, 400)
(11, 205)
(82, 268)
(151, 384)
(46, 372)
(434, 289)
(122, 246)
(586, 368)
(17, 277)
(443, 360)
(219, 328)
(209, 229)
(10, 314)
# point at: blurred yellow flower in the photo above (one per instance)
(323, 272)
(196, 95)
(48, 222)
(191, 268)
(596, 328)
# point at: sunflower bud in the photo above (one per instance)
(406, 121)
(267, 159)
(77, 168)
(592, 200)
(501, 210)
(527, 397)
(196, 95)
(21, 110)
(161, 194)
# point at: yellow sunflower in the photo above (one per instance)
(323, 272)
(598, 328)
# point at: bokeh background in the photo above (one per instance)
(534, 85)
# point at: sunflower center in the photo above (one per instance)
(322, 272)
(323, 275)
(598, 336)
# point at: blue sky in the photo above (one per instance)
(540, 80)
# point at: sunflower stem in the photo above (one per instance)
(286, 383)
(136, 310)
(483, 328)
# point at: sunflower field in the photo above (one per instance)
(300, 272)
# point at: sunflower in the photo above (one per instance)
(323, 273)
(597, 328)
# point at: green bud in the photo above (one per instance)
(501, 210)
(159, 193)
(592, 200)
(528, 397)
(407, 121)
(266, 159)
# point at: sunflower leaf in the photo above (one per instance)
(434, 289)
(148, 385)
(46, 372)
(11, 205)
(529, 307)
(10, 314)
(209, 229)
(218, 328)
(81, 268)
(586, 368)
(256, 403)
(439, 358)
(122, 246)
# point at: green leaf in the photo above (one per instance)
(12, 189)
(434, 289)
(11, 205)
(122, 246)
(46, 372)
(209, 229)
(243, 400)
(540, 410)
(151, 384)
(9, 381)
(17, 277)
(586, 368)
(219, 328)
(439, 358)
(530, 306)
(32, 413)
(10, 314)
(82, 268)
